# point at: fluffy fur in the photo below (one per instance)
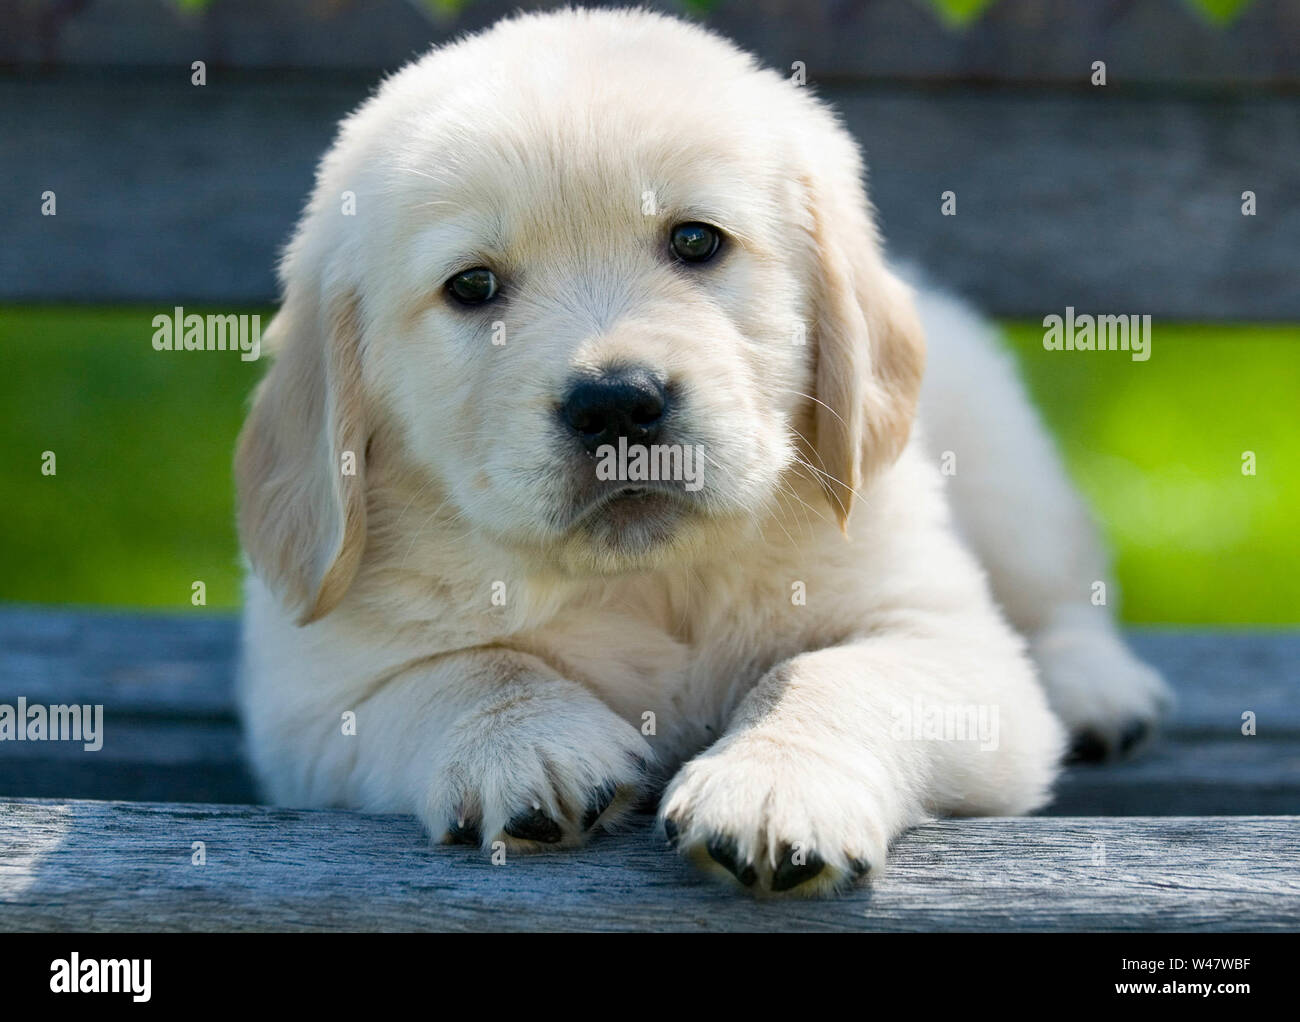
(521, 673)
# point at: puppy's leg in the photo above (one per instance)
(493, 745)
(827, 759)
(1015, 505)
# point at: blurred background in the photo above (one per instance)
(1122, 198)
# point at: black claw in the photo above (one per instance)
(464, 832)
(670, 831)
(1087, 747)
(600, 801)
(534, 825)
(790, 874)
(723, 851)
(860, 867)
(1133, 735)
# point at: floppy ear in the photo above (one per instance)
(870, 347)
(300, 465)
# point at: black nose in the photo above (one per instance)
(628, 403)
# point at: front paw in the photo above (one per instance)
(542, 766)
(778, 819)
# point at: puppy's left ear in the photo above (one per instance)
(870, 347)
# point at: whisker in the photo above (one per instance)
(814, 400)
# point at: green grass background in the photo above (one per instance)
(142, 504)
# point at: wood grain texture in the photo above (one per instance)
(127, 866)
(151, 665)
(182, 665)
(171, 733)
(1109, 200)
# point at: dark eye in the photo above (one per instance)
(473, 287)
(694, 242)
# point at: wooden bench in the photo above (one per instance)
(1124, 198)
(1066, 198)
(1194, 836)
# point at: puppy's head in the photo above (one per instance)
(607, 285)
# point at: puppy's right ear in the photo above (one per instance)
(300, 465)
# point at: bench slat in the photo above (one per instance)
(1064, 196)
(113, 866)
(183, 664)
(165, 681)
(178, 761)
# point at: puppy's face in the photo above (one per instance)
(607, 307)
(579, 281)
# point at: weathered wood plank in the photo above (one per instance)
(182, 664)
(141, 759)
(127, 866)
(1221, 673)
(180, 761)
(1156, 41)
(174, 665)
(1183, 775)
(171, 735)
(1105, 200)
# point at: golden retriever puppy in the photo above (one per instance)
(587, 465)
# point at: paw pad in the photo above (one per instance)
(723, 851)
(534, 825)
(790, 873)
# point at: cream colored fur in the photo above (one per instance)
(531, 148)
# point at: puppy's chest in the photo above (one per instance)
(677, 657)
